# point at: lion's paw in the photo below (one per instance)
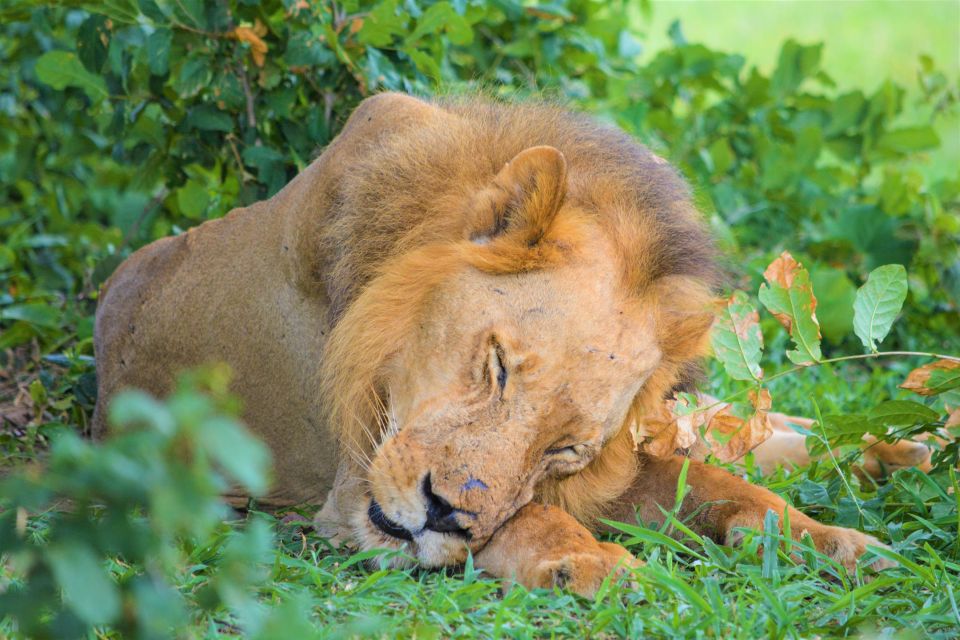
(846, 546)
(582, 572)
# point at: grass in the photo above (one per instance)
(865, 43)
(688, 588)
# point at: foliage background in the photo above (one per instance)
(122, 121)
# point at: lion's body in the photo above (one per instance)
(226, 291)
(457, 309)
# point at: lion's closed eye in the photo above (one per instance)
(570, 451)
(495, 369)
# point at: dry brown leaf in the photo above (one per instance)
(917, 380)
(781, 272)
(731, 437)
(656, 432)
(670, 430)
(254, 37)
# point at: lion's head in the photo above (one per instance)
(536, 279)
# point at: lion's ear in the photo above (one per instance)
(525, 196)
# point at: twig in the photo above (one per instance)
(251, 114)
(236, 155)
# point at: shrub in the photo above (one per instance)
(116, 523)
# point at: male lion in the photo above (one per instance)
(445, 327)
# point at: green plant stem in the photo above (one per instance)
(865, 356)
(862, 356)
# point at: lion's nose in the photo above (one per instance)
(441, 515)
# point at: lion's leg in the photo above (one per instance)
(720, 504)
(786, 446)
(543, 546)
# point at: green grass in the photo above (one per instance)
(865, 43)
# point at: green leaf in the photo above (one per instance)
(87, 589)
(789, 297)
(846, 429)
(459, 30)
(721, 155)
(909, 139)
(902, 413)
(61, 69)
(432, 20)
(845, 113)
(209, 118)
(770, 565)
(382, 24)
(158, 51)
(244, 458)
(159, 607)
(150, 9)
(193, 76)
(737, 340)
(93, 37)
(192, 198)
(797, 62)
(425, 63)
(38, 314)
(135, 408)
(878, 302)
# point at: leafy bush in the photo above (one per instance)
(787, 162)
(120, 520)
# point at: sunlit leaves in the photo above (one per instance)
(383, 24)
(909, 139)
(61, 69)
(788, 295)
(878, 302)
(736, 338)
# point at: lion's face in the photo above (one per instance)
(507, 380)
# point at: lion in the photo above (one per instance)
(444, 329)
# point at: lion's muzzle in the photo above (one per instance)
(440, 516)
